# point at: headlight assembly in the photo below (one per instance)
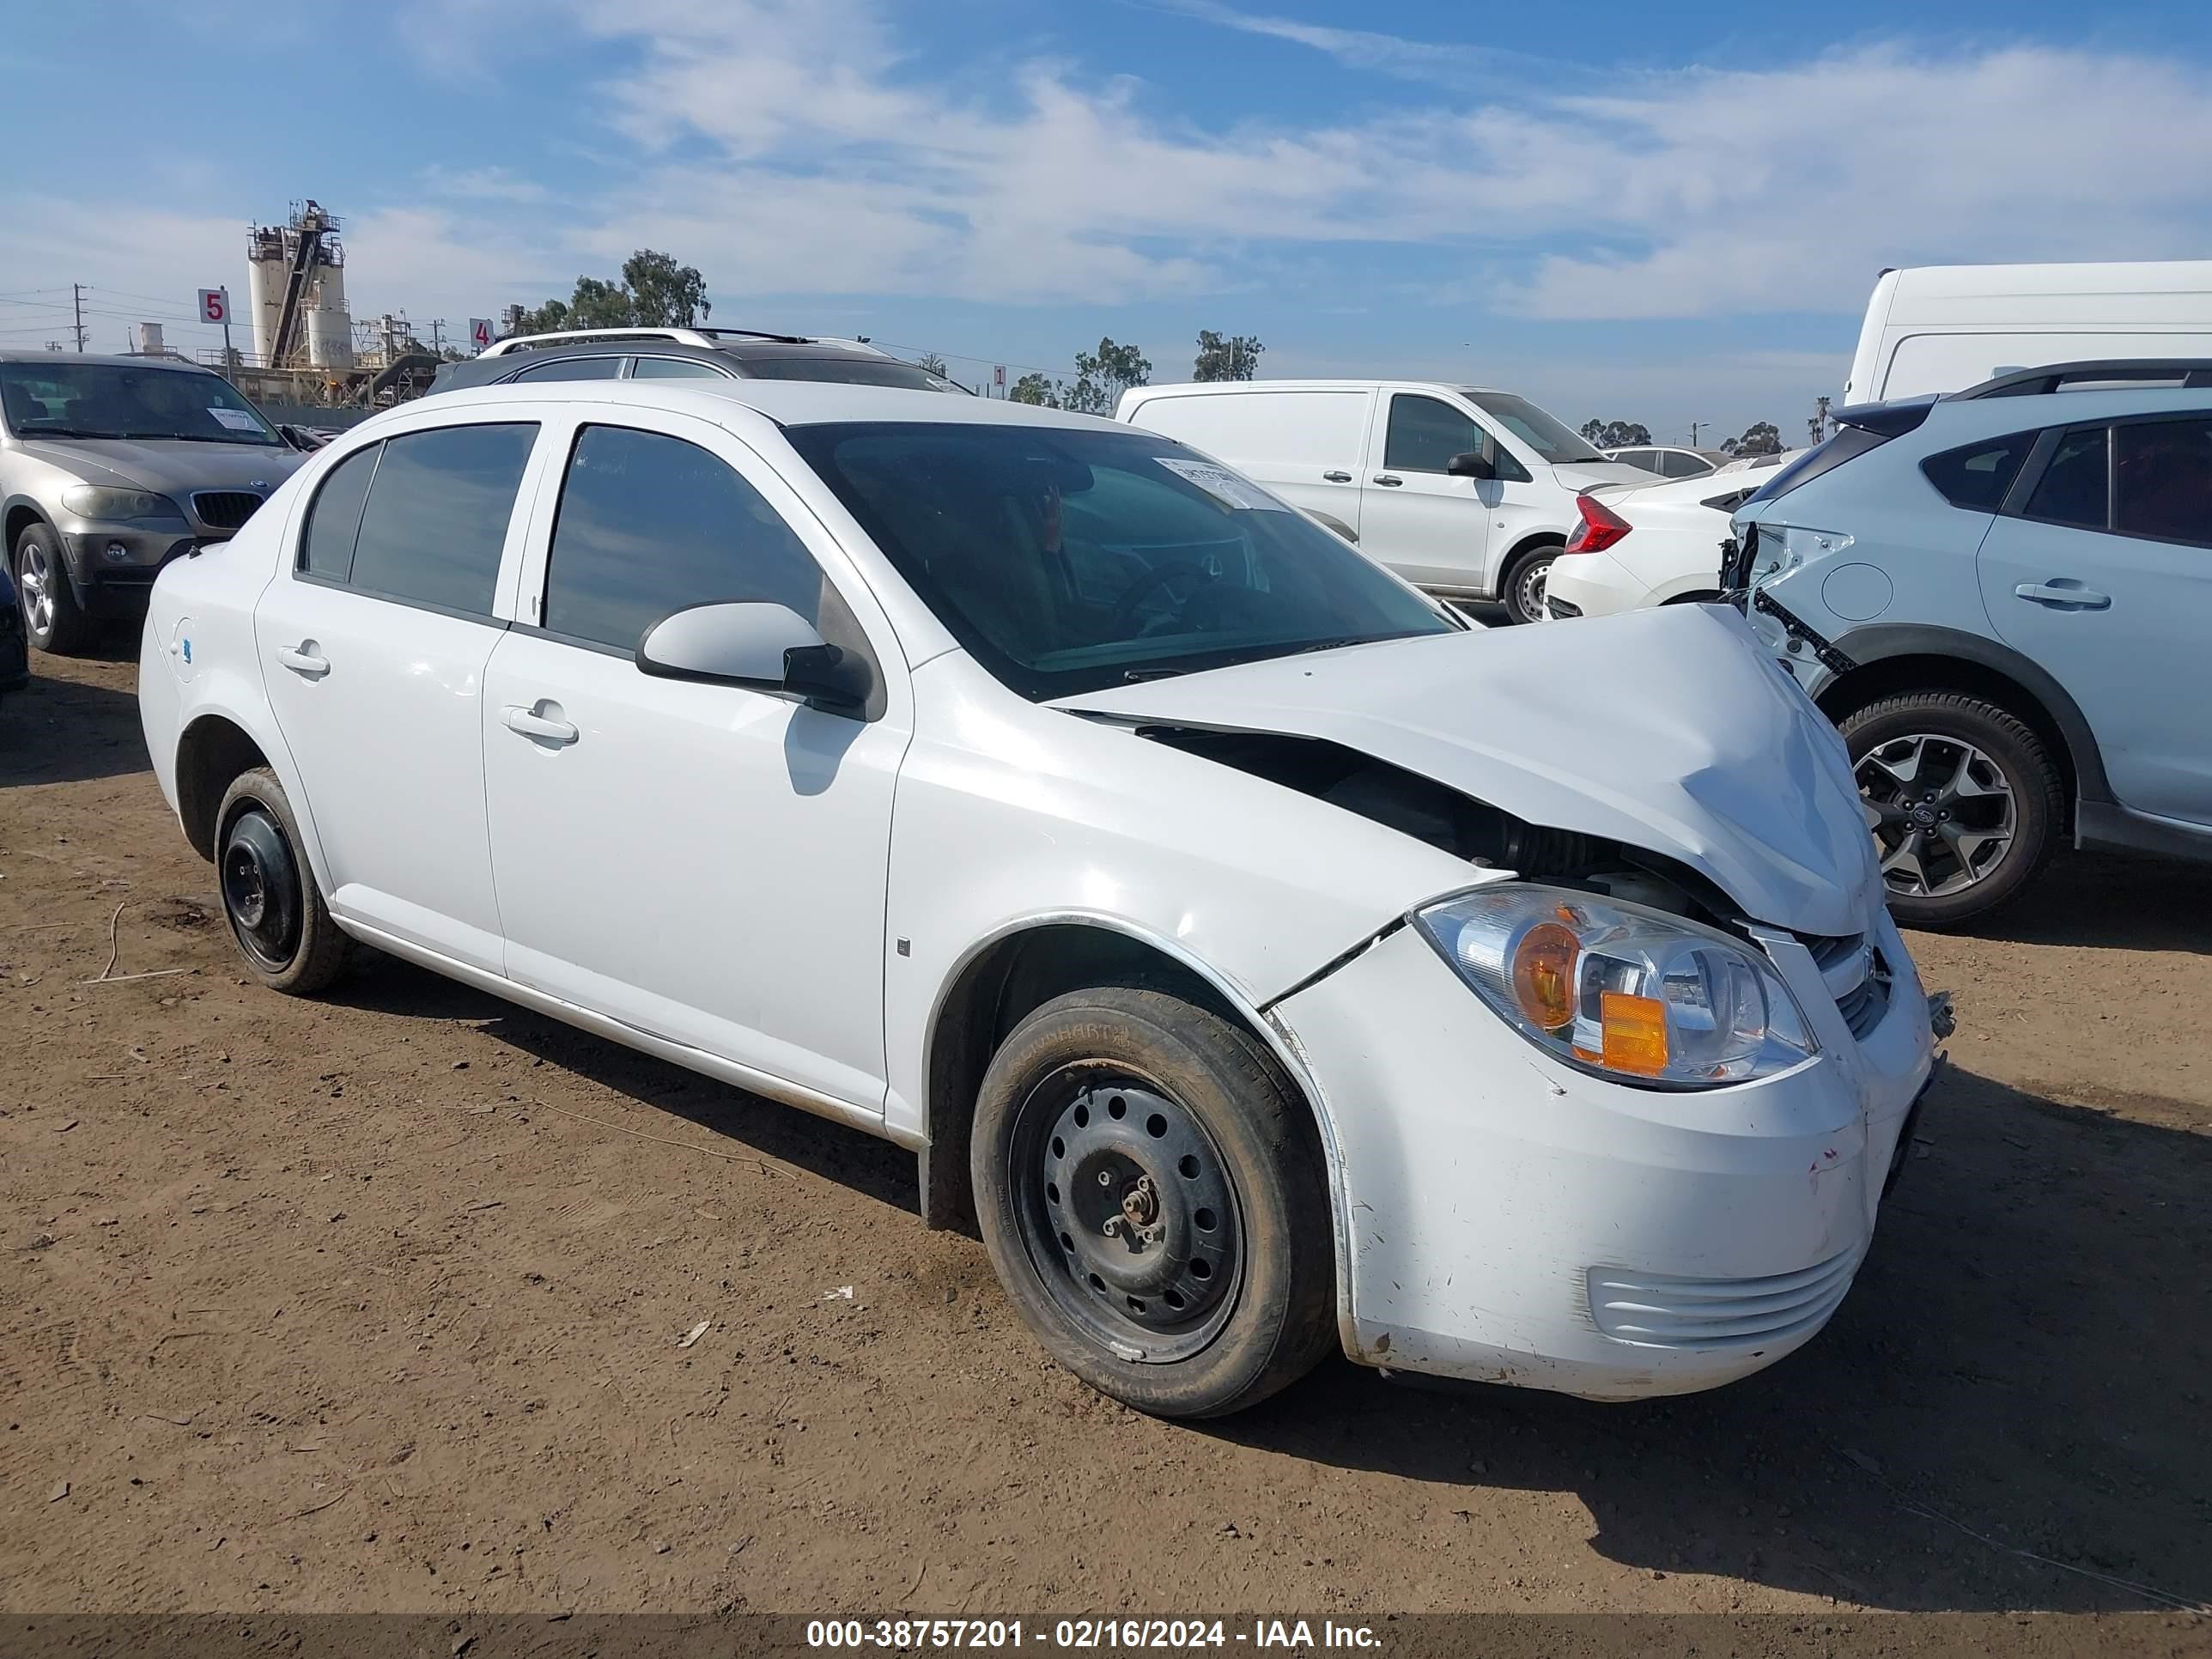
(96, 502)
(1615, 988)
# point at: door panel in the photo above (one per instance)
(374, 647)
(705, 862)
(2122, 620)
(1428, 526)
(1306, 447)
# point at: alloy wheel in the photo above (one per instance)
(1127, 1212)
(34, 583)
(1943, 813)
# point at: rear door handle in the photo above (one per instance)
(304, 659)
(541, 727)
(1390, 479)
(1337, 477)
(2064, 593)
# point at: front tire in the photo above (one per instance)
(1965, 803)
(52, 618)
(1524, 582)
(276, 914)
(1150, 1193)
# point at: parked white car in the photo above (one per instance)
(1670, 461)
(1658, 546)
(1266, 961)
(1468, 493)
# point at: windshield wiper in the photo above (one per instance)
(188, 437)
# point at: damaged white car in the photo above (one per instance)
(1263, 960)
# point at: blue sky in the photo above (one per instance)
(1631, 211)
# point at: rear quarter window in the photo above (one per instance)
(1975, 476)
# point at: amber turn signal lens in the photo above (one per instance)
(1635, 1033)
(1544, 974)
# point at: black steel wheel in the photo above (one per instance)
(261, 888)
(1150, 1189)
(1127, 1212)
(1525, 582)
(276, 911)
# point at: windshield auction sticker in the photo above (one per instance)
(1222, 484)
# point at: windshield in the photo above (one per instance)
(849, 371)
(1538, 429)
(62, 398)
(1068, 561)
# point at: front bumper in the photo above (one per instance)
(1510, 1220)
(111, 567)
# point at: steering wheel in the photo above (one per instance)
(1125, 608)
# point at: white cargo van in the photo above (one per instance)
(1469, 492)
(1943, 328)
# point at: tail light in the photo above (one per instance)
(1600, 529)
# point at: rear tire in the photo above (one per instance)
(284, 931)
(1965, 804)
(1523, 589)
(1166, 1140)
(52, 619)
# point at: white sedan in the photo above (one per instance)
(1650, 545)
(1263, 960)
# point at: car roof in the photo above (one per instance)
(785, 403)
(1203, 388)
(23, 355)
(1977, 415)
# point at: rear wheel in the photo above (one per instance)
(51, 617)
(1151, 1195)
(1525, 579)
(269, 895)
(1964, 801)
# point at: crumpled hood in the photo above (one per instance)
(1667, 730)
(167, 467)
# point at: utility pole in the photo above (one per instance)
(77, 299)
(1694, 425)
(438, 336)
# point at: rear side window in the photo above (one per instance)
(574, 368)
(436, 520)
(674, 368)
(2076, 486)
(1425, 433)
(1975, 476)
(2162, 479)
(650, 524)
(327, 543)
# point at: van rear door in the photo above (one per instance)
(1304, 444)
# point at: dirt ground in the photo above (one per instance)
(373, 1303)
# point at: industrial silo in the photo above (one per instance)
(267, 265)
(330, 327)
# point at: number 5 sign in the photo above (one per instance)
(480, 334)
(215, 305)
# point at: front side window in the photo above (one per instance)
(436, 520)
(66, 399)
(1975, 476)
(2076, 487)
(2162, 479)
(1541, 430)
(648, 524)
(1066, 560)
(573, 369)
(1425, 432)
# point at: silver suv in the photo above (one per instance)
(109, 467)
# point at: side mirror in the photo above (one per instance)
(1473, 464)
(761, 646)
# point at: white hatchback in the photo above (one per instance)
(1263, 960)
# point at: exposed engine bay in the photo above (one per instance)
(1486, 836)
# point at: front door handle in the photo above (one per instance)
(543, 728)
(305, 659)
(1390, 479)
(2063, 594)
(1337, 477)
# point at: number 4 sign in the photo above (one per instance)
(480, 334)
(215, 305)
